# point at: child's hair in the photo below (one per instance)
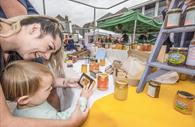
(22, 78)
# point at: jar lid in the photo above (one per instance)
(154, 83)
(178, 48)
(103, 75)
(191, 8)
(185, 94)
(121, 82)
(174, 10)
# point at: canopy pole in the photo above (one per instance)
(94, 28)
(134, 31)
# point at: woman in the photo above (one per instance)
(32, 37)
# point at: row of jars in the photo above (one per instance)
(174, 17)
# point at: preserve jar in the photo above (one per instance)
(84, 68)
(190, 62)
(190, 16)
(173, 18)
(177, 56)
(121, 89)
(153, 89)
(102, 81)
(184, 102)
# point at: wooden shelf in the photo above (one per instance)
(165, 66)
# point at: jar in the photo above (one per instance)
(146, 47)
(121, 90)
(177, 56)
(133, 46)
(183, 77)
(97, 67)
(190, 16)
(102, 81)
(84, 68)
(184, 102)
(190, 62)
(173, 18)
(153, 89)
(102, 62)
(92, 66)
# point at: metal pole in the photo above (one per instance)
(94, 27)
(134, 31)
(44, 9)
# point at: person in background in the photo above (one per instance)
(29, 84)
(125, 38)
(32, 37)
(70, 45)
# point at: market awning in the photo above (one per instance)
(126, 22)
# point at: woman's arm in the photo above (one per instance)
(8, 5)
(7, 120)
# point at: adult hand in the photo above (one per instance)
(78, 117)
(190, 3)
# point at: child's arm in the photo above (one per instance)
(83, 99)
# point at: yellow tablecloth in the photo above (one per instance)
(140, 110)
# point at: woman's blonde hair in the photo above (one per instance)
(22, 78)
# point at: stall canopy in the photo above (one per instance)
(131, 22)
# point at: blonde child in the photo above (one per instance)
(29, 84)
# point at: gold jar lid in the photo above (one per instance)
(190, 8)
(179, 48)
(121, 82)
(185, 94)
(174, 10)
(154, 83)
(103, 75)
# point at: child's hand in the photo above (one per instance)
(87, 91)
(62, 82)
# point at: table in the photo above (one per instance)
(140, 110)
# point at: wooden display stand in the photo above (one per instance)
(163, 67)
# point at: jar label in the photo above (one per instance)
(176, 58)
(190, 18)
(180, 105)
(151, 91)
(191, 56)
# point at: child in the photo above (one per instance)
(29, 84)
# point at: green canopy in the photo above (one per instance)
(131, 22)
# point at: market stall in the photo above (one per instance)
(132, 22)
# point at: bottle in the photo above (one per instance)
(190, 62)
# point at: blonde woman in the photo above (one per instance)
(32, 37)
(29, 84)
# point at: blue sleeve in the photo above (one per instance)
(29, 7)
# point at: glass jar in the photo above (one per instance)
(102, 62)
(102, 81)
(121, 90)
(190, 62)
(153, 89)
(184, 102)
(92, 67)
(177, 56)
(183, 77)
(84, 68)
(173, 18)
(190, 16)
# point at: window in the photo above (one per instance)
(138, 10)
(162, 5)
(150, 9)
